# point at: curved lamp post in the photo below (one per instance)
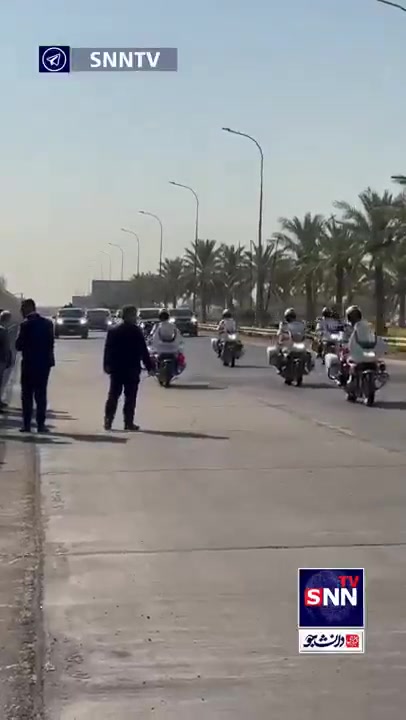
(186, 187)
(260, 273)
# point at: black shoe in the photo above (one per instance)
(131, 427)
(43, 429)
(107, 424)
(25, 429)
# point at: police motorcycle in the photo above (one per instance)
(228, 349)
(168, 366)
(329, 343)
(292, 361)
(360, 380)
(326, 338)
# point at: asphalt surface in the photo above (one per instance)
(171, 555)
(318, 400)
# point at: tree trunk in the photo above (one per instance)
(268, 297)
(379, 298)
(174, 301)
(309, 300)
(203, 301)
(339, 271)
(402, 306)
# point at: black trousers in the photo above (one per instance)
(34, 387)
(119, 382)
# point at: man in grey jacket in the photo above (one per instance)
(5, 351)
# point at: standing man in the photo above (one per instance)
(5, 351)
(35, 341)
(124, 350)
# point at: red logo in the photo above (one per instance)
(352, 641)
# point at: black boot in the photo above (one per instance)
(131, 427)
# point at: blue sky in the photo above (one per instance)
(318, 82)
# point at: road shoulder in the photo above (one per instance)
(20, 581)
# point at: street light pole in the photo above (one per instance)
(252, 248)
(392, 4)
(122, 257)
(109, 257)
(260, 270)
(144, 212)
(186, 187)
(131, 232)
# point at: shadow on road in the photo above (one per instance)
(12, 412)
(319, 385)
(200, 386)
(391, 404)
(252, 367)
(181, 434)
(60, 438)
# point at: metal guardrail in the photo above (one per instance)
(392, 342)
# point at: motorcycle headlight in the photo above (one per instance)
(172, 320)
(83, 321)
(194, 320)
(300, 346)
(59, 321)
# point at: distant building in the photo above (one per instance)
(112, 293)
(82, 301)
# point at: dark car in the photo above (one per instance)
(185, 321)
(71, 321)
(147, 318)
(99, 319)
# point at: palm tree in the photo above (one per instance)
(340, 252)
(374, 227)
(397, 263)
(202, 258)
(231, 269)
(173, 281)
(301, 238)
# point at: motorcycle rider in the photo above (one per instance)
(362, 337)
(165, 338)
(326, 325)
(290, 330)
(226, 326)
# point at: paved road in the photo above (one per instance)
(318, 400)
(171, 556)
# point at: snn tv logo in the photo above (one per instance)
(345, 594)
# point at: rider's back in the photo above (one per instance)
(362, 338)
(165, 338)
(227, 326)
(293, 331)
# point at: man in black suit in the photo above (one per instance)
(35, 341)
(124, 350)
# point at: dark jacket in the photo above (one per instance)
(124, 350)
(35, 341)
